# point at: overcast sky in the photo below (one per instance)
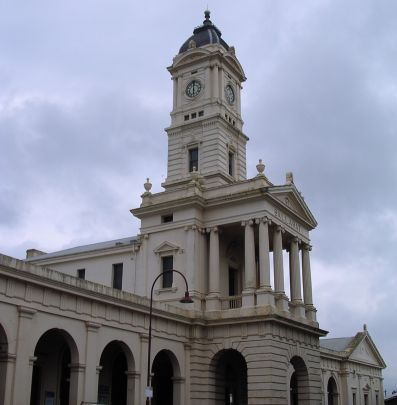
(85, 96)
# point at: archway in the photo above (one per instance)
(298, 382)
(230, 378)
(3, 363)
(332, 392)
(165, 371)
(51, 380)
(116, 360)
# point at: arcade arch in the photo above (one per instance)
(51, 378)
(332, 392)
(298, 382)
(3, 362)
(230, 369)
(114, 386)
(166, 378)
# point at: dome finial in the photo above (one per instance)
(207, 16)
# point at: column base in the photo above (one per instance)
(264, 296)
(281, 301)
(212, 302)
(298, 309)
(311, 312)
(248, 298)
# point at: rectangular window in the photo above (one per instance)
(186, 118)
(193, 159)
(117, 276)
(354, 399)
(81, 273)
(376, 399)
(167, 218)
(201, 113)
(231, 163)
(194, 115)
(365, 399)
(168, 264)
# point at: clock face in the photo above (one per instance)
(193, 88)
(229, 93)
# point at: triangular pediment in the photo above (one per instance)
(365, 351)
(292, 202)
(166, 247)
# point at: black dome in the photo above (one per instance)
(205, 34)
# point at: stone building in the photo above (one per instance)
(74, 324)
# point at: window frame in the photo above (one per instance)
(167, 279)
(117, 283)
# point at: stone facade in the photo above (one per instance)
(74, 324)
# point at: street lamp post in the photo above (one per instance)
(184, 300)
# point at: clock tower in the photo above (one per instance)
(205, 138)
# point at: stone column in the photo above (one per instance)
(221, 83)
(144, 339)
(24, 360)
(307, 283)
(132, 387)
(295, 279)
(215, 81)
(264, 294)
(175, 90)
(7, 367)
(248, 295)
(281, 298)
(179, 91)
(178, 390)
(214, 290)
(76, 383)
(91, 362)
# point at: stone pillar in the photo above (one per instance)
(215, 81)
(279, 293)
(91, 362)
(264, 294)
(221, 82)
(24, 360)
(175, 91)
(186, 393)
(248, 294)
(132, 387)
(295, 280)
(212, 300)
(144, 338)
(7, 368)
(178, 390)
(307, 283)
(76, 383)
(179, 91)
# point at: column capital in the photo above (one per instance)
(26, 312)
(306, 246)
(248, 222)
(92, 326)
(99, 369)
(32, 360)
(212, 229)
(77, 367)
(279, 228)
(295, 239)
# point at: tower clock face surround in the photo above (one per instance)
(229, 94)
(193, 88)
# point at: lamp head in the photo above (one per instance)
(187, 299)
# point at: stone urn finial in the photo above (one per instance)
(148, 185)
(260, 167)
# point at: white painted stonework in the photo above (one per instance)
(248, 338)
